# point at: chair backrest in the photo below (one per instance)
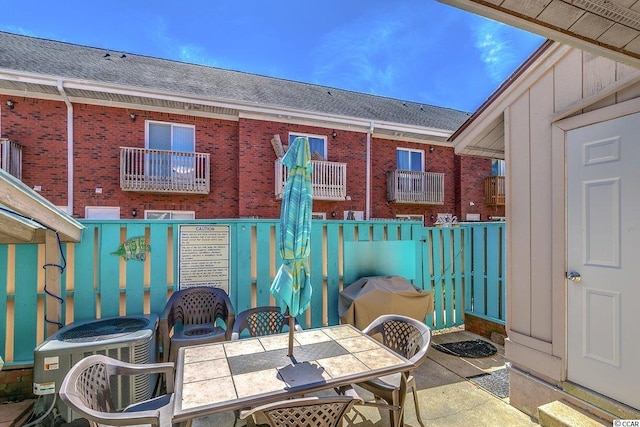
(198, 305)
(260, 321)
(307, 411)
(89, 383)
(86, 389)
(404, 335)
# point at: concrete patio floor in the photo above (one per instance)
(447, 397)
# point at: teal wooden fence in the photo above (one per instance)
(463, 267)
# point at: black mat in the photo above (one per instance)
(471, 348)
(496, 382)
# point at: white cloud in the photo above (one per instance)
(173, 49)
(496, 48)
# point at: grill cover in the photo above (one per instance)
(369, 297)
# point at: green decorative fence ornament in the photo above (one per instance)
(133, 248)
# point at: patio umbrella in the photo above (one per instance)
(292, 285)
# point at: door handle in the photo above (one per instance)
(574, 276)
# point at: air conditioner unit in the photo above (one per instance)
(130, 339)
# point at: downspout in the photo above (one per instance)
(367, 213)
(65, 98)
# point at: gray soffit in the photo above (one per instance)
(31, 66)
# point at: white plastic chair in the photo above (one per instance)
(86, 389)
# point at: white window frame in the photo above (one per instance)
(172, 164)
(170, 214)
(173, 125)
(294, 135)
(412, 150)
(499, 166)
(102, 212)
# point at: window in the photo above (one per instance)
(497, 167)
(174, 139)
(319, 215)
(102, 212)
(156, 214)
(410, 160)
(317, 144)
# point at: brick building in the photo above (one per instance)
(105, 134)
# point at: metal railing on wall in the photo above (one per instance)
(464, 272)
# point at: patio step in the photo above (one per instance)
(563, 414)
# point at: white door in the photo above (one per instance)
(603, 241)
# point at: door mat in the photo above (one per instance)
(471, 348)
(496, 382)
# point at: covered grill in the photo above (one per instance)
(369, 297)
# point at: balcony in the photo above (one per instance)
(425, 188)
(11, 157)
(494, 191)
(164, 171)
(328, 180)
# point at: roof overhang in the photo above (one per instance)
(25, 215)
(609, 28)
(482, 135)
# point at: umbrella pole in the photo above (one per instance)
(292, 322)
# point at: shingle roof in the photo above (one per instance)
(68, 61)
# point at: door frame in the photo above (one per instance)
(559, 166)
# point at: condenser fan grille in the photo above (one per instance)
(103, 329)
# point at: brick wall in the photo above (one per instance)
(242, 163)
(483, 327)
(16, 384)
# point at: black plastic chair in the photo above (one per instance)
(192, 316)
(260, 321)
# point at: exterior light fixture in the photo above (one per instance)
(10, 104)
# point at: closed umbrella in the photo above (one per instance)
(292, 285)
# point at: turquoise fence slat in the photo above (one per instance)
(458, 274)
(263, 261)
(463, 267)
(25, 311)
(333, 273)
(448, 283)
(493, 298)
(109, 270)
(478, 270)
(349, 231)
(241, 296)
(134, 291)
(378, 231)
(363, 232)
(84, 293)
(317, 276)
(159, 275)
(435, 247)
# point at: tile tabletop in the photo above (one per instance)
(236, 374)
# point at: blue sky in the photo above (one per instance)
(415, 50)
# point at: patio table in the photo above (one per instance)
(234, 375)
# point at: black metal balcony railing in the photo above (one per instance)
(11, 157)
(164, 171)
(494, 191)
(328, 180)
(415, 187)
